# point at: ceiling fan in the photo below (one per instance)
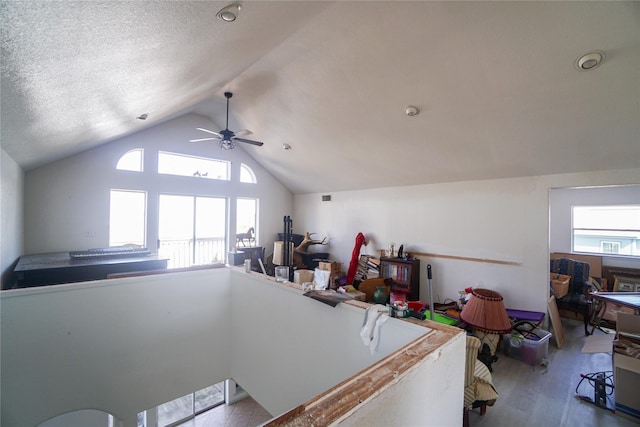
(227, 138)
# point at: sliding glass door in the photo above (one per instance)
(183, 408)
(192, 230)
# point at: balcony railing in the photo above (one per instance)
(181, 252)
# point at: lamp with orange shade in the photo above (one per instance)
(486, 313)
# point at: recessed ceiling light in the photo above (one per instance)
(589, 61)
(286, 147)
(142, 116)
(411, 111)
(229, 13)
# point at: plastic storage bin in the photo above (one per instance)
(531, 350)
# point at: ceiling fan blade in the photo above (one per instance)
(210, 131)
(203, 139)
(244, 132)
(248, 141)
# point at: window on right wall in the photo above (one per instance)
(612, 230)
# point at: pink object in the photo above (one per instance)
(353, 265)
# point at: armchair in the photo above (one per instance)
(577, 299)
(479, 391)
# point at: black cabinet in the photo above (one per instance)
(58, 267)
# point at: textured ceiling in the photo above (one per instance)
(496, 85)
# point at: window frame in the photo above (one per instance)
(165, 155)
(607, 232)
(249, 171)
(171, 184)
(125, 157)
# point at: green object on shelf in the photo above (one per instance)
(380, 295)
(442, 319)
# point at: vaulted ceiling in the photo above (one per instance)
(496, 84)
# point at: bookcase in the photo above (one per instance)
(405, 274)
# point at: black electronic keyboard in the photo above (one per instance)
(110, 253)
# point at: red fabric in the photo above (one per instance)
(353, 265)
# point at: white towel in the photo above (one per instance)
(374, 317)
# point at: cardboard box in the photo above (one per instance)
(303, 276)
(626, 371)
(334, 267)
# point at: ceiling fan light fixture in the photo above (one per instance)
(227, 144)
(229, 13)
(589, 61)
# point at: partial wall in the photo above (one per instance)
(120, 345)
(297, 345)
(125, 345)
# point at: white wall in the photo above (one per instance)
(307, 345)
(120, 346)
(504, 220)
(422, 398)
(125, 345)
(561, 202)
(11, 216)
(67, 202)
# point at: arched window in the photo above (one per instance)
(247, 175)
(131, 160)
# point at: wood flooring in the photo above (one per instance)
(530, 396)
(535, 396)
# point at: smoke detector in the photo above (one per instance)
(589, 61)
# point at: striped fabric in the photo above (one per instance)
(576, 299)
(578, 270)
(478, 384)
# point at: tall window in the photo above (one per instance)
(246, 219)
(127, 217)
(201, 167)
(192, 230)
(607, 229)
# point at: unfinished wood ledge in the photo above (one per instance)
(337, 403)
